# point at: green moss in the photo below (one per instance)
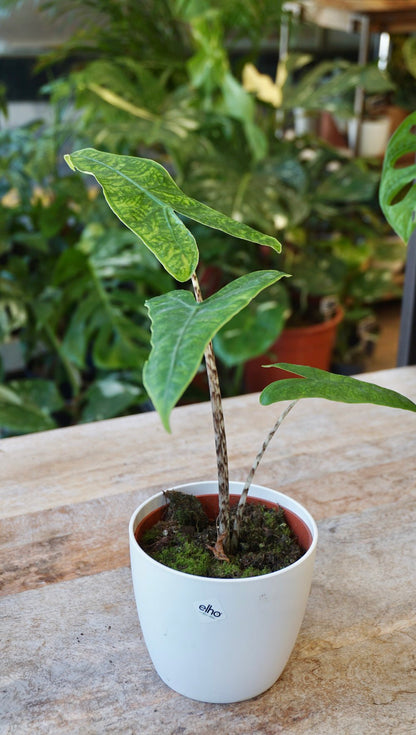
(232, 570)
(150, 536)
(255, 572)
(184, 539)
(187, 557)
(185, 510)
(224, 569)
(269, 518)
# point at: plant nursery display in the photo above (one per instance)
(227, 637)
(165, 79)
(71, 346)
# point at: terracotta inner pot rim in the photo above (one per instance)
(310, 547)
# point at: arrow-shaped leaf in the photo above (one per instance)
(181, 330)
(321, 384)
(145, 197)
(397, 187)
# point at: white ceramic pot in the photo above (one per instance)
(221, 640)
(373, 136)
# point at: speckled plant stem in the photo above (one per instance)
(249, 480)
(223, 530)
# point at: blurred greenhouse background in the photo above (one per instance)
(256, 130)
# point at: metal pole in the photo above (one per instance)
(364, 22)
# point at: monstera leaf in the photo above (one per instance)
(27, 406)
(144, 196)
(101, 279)
(181, 330)
(321, 384)
(108, 397)
(397, 188)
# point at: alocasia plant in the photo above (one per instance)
(144, 196)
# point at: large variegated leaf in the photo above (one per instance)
(397, 187)
(144, 196)
(321, 384)
(181, 330)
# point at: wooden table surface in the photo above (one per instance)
(73, 659)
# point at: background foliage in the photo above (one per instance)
(163, 79)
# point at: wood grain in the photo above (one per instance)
(67, 466)
(82, 665)
(68, 518)
(73, 660)
(77, 540)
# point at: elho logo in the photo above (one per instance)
(210, 609)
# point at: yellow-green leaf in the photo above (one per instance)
(145, 197)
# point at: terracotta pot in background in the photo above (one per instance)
(329, 130)
(396, 115)
(311, 345)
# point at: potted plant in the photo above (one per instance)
(316, 94)
(327, 189)
(341, 265)
(325, 207)
(227, 639)
(71, 346)
(220, 140)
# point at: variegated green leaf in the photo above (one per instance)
(321, 384)
(181, 330)
(397, 187)
(144, 196)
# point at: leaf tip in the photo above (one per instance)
(68, 160)
(275, 244)
(264, 401)
(165, 418)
